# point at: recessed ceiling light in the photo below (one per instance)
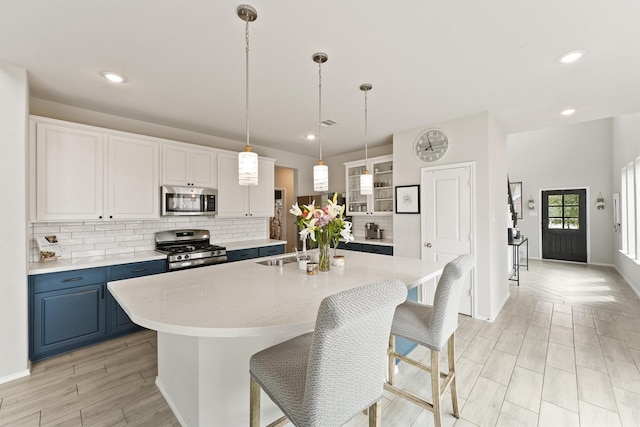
(568, 111)
(113, 77)
(311, 137)
(572, 56)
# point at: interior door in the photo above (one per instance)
(447, 221)
(564, 225)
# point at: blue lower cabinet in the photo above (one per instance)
(271, 250)
(118, 321)
(71, 309)
(242, 254)
(136, 269)
(366, 247)
(377, 249)
(403, 345)
(350, 246)
(66, 319)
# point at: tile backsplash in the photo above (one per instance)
(95, 238)
(384, 222)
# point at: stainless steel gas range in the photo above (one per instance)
(189, 248)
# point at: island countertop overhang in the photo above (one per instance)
(244, 299)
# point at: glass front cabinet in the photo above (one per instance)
(381, 201)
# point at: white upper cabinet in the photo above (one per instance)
(87, 173)
(381, 201)
(185, 166)
(134, 187)
(235, 200)
(70, 173)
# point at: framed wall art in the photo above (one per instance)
(516, 196)
(408, 199)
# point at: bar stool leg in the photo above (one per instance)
(452, 370)
(435, 386)
(375, 414)
(392, 359)
(254, 403)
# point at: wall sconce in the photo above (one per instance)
(531, 203)
(600, 201)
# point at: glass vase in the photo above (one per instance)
(324, 246)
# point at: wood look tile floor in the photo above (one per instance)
(564, 351)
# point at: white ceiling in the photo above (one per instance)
(428, 61)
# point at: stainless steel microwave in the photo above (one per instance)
(188, 200)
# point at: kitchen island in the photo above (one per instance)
(210, 320)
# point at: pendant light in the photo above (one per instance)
(320, 171)
(247, 160)
(366, 179)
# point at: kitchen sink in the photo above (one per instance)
(275, 262)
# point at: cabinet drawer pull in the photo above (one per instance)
(72, 279)
(139, 270)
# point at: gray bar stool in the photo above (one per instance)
(432, 327)
(325, 377)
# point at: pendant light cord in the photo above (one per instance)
(366, 150)
(247, 80)
(320, 106)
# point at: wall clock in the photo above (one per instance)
(431, 145)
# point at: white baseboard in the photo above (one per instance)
(628, 280)
(501, 305)
(164, 393)
(14, 376)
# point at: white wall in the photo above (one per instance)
(578, 155)
(626, 147)
(304, 164)
(472, 138)
(14, 99)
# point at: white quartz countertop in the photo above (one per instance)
(94, 261)
(380, 242)
(245, 298)
(126, 258)
(234, 246)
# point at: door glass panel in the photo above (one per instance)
(564, 212)
(357, 201)
(555, 211)
(571, 211)
(555, 223)
(571, 199)
(555, 200)
(571, 224)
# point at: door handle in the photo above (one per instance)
(428, 245)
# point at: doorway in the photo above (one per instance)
(447, 220)
(285, 185)
(564, 225)
(278, 222)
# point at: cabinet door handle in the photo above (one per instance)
(102, 296)
(72, 279)
(139, 270)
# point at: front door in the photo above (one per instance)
(447, 221)
(564, 225)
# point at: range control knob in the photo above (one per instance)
(179, 257)
(186, 257)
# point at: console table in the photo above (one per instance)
(517, 261)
